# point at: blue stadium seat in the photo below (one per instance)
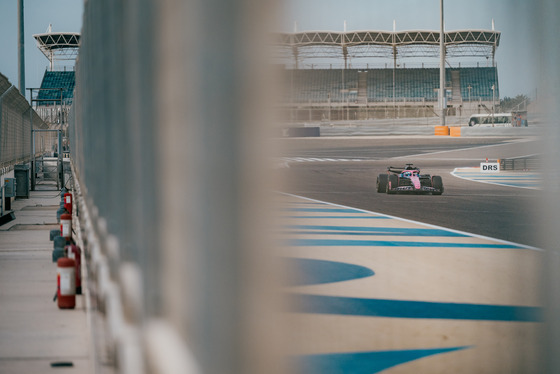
(57, 79)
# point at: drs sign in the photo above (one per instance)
(490, 167)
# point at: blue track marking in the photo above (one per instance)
(390, 243)
(401, 231)
(363, 362)
(498, 177)
(350, 245)
(311, 271)
(338, 233)
(338, 217)
(351, 306)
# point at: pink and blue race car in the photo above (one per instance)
(408, 179)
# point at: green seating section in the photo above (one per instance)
(480, 81)
(318, 85)
(57, 79)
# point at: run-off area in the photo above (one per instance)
(369, 292)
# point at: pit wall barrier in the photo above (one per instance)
(174, 185)
(114, 301)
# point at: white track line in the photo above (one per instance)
(462, 149)
(455, 174)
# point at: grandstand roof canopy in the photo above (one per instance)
(59, 45)
(415, 43)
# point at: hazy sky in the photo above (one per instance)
(514, 55)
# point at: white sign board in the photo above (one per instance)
(489, 167)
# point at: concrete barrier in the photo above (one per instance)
(375, 130)
(381, 128)
(455, 131)
(302, 132)
(441, 130)
(501, 131)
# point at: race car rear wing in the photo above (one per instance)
(398, 170)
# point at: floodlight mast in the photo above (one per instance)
(21, 49)
(442, 101)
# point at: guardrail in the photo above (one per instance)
(525, 163)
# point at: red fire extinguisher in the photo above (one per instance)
(75, 253)
(66, 283)
(66, 226)
(68, 202)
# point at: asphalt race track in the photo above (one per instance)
(344, 171)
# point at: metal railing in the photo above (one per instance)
(522, 163)
(17, 118)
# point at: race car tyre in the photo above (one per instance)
(392, 183)
(382, 180)
(426, 180)
(437, 184)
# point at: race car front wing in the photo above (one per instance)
(422, 189)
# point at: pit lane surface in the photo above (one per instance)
(344, 171)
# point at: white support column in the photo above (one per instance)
(442, 96)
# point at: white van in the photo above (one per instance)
(513, 119)
(490, 120)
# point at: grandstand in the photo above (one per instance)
(57, 85)
(394, 89)
(54, 98)
(376, 85)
